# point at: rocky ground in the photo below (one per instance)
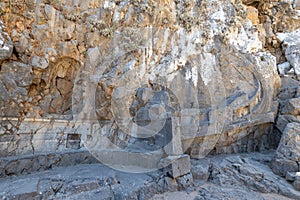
(240, 176)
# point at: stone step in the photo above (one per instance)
(130, 161)
(26, 164)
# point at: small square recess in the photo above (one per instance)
(73, 141)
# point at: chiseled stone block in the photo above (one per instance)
(177, 165)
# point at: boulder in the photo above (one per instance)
(282, 166)
(289, 146)
(292, 107)
(283, 120)
(288, 151)
(283, 68)
(288, 88)
(178, 165)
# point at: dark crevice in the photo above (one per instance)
(15, 52)
(254, 4)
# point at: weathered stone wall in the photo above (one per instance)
(211, 65)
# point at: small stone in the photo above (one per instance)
(289, 145)
(283, 68)
(52, 59)
(291, 72)
(171, 184)
(290, 176)
(39, 62)
(185, 181)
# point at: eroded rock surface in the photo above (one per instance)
(124, 63)
(138, 83)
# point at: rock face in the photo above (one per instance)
(190, 73)
(286, 161)
(143, 85)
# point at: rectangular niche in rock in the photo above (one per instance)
(62, 78)
(73, 141)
